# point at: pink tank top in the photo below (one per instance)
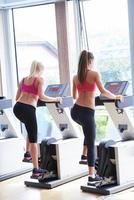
(86, 87)
(29, 88)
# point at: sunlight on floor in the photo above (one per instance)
(14, 188)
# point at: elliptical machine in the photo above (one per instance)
(12, 144)
(65, 150)
(121, 153)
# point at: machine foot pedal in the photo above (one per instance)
(83, 162)
(47, 177)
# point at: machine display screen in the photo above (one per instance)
(56, 90)
(117, 88)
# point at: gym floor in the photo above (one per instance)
(14, 188)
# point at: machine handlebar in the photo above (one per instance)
(128, 101)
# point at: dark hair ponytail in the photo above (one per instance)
(84, 59)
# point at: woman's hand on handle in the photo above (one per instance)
(59, 99)
(119, 97)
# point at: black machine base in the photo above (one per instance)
(107, 190)
(52, 184)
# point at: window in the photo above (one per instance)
(104, 27)
(36, 39)
(72, 39)
(108, 37)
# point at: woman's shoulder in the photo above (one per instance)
(40, 80)
(36, 78)
(92, 73)
(22, 80)
(26, 78)
(75, 77)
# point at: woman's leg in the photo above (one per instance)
(27, 115)
(32, 138)
(90, 142)
(34, 154)
(84, 151)
(31, 127)
(89, 130)
(27, 145)
(27, 154)
(75, 116)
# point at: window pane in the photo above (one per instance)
(108, 38)
(36, 39)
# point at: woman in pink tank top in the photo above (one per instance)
(30, 90)
(84, 87)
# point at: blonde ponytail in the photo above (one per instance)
(36, 67)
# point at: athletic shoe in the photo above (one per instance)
(93, 181)
(27, 157)
(83, 157)
(36, 173)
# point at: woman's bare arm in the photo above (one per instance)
(44, 97)
(74, 89)
(104, 91)
(18, 91)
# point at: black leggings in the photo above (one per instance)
(84, 116)
(27, 115)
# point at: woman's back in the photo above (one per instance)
(29, 90)
(86, 90)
